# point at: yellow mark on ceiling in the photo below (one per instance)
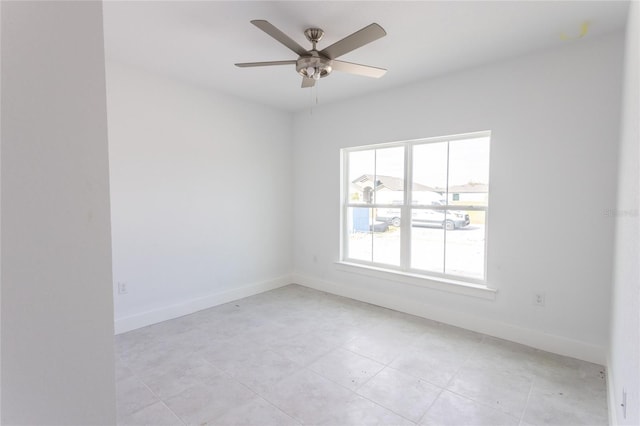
(584, 29)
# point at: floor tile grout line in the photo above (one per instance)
(430, 406)
(365, 356)
(265, 397)
(279, 409)
(174, 413)
(385, 366)
(257, 392)
(464, 363)
(386, 408)
(414, 376)
(526, 405)
(259, 395)
(159, 399)
(340, 384)
(354, 353)
(299, 368)
(388, 366)
(481, 403)
(482, 341)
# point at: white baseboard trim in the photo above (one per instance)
(533, 338)
(143, 319)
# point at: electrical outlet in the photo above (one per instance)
(539, 299)
(624, 403)
(122, 288)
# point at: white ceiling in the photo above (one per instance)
(200, 41)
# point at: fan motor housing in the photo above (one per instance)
(320, 65)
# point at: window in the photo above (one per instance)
(418, 206)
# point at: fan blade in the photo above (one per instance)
(263, 64)
(358, 39)
(308, 82)
(279, 35)
(358, 69)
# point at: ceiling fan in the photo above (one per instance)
(313, 64)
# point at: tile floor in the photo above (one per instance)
(296, 356)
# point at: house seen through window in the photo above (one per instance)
(418, 206)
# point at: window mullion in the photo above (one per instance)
(405, 212)
(374, 202)
(446, 211)
(344, 163)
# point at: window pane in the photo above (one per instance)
(429, 173)
(469, 172)
(386, 239)
(427, 240)
(465, 248)
(376, 176)
(361, 166)
(359, 236)
(371, 239)
(389, 177)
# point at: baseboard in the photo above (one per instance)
(533, 338)
(143, 319)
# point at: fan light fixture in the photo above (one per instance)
(313, 66)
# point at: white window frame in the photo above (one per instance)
(405, 212)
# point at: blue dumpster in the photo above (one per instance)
(361, 219)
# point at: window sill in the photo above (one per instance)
(435, 283)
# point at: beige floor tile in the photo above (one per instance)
(401, 393)
(300, 356)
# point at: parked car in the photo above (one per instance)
(451, 219)
(389, 215)
(379, 226)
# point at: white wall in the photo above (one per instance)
(554, 117)
(200, 196)
(57, 308)
(624, 370)
(0, 215)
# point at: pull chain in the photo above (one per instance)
(314, 94)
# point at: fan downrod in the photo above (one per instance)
(314, 35)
